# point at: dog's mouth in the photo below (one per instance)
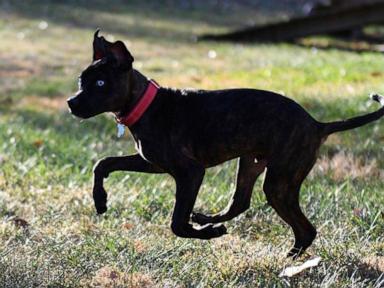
(75, 113)
(76, 109)
(70, 111)
(80, 115)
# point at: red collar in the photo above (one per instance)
(135, 114)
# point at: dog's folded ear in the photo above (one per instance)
(121, 54)
(117, 50)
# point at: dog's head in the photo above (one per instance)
(104, 85)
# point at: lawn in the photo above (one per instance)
(50, 234)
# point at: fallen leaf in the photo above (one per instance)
(20, 223)
(212, 54)
(38, 143)
(127, 226)
(43, 25)
(139, 246)
(293, 270)
(358, 212)
(376, 74)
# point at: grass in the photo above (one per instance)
(49, 233)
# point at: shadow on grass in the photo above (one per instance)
(150, 18)
(368, 269)
(356, 45)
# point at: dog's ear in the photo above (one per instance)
(103, 48)
(121, 54)
(99, 46)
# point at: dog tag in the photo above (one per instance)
(120, 130)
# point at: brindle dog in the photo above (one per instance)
(183, 132)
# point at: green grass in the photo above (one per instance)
(46, 156)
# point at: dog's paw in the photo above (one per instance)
(214, 231)
(101, 209)
(220, 230)
(100, 198)
(200, 219)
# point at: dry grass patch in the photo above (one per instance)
(344, 165)
(12, 68)
(109, 276)
(46, 104)
(375, 262)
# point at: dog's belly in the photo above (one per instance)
(223, 141)
(213, 158)
(213, 148)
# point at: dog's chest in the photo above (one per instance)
(148, 148)
(139, 148)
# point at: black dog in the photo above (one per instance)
(183, 132)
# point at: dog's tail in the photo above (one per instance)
(355, 122)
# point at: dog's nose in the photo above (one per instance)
(72, 102)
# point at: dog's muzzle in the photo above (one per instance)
(73, 103)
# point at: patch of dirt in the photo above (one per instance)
(20, 223)
(370, 267)
(44, 103)
(108, 276)
(17, 68)
(375, 263)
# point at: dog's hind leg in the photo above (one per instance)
(107, 165)
(282, 188)
(189, 177)
(247, 173)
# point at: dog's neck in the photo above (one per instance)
(138, 83)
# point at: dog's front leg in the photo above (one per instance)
(188, 181)
(107, 165)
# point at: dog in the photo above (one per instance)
(183, 132)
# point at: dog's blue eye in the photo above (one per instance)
(99, 83)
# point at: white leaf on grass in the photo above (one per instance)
(293, 270)
(43, 25)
